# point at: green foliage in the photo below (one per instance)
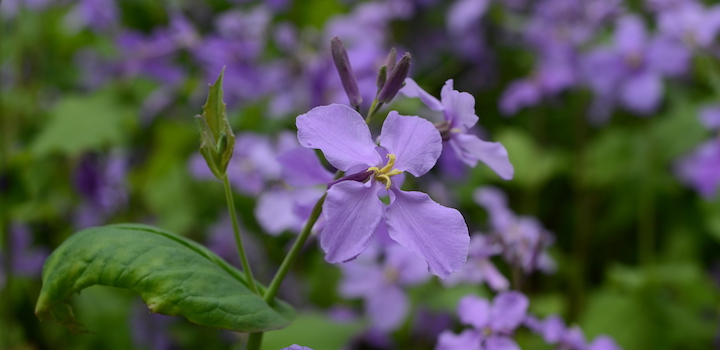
(314, 331)
(80, 123)
(174, 276)
(534, 166)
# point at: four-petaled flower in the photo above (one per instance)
(459, 116)
(352, 208)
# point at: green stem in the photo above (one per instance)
(374, 108)
(254, 341)
(292, 255)
(238, 239)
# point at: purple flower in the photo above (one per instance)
(353, 210)
(95, 14)
(25, 260)
(554, 331)
(492, 323)
(459, 116)
(631, 70)
(691, 22)
(381, 284)
(479, 268)
(296, 347)
(710, 116)
(101, 184)
(150, 330)
(523, 238)
(701, 168)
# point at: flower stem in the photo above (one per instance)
(238, 239)
(292, 255)
(374, 108)
(254, 341)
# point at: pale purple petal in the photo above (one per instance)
(409, 267)
(413, 140)
(494, 201)
(459, 107)
(642, 92)
(495, 279)
(301, 167)
(413, 90)
(474, 311)
(508, 311)
(519, 94)
(497, 342)
(387, 308)
(630, 35)
(352, 211)
(296, 347)
(701, 169)
(603, 342)
(668, 57)
(463, 14)
(552, 329)
(360, 279)
(469, 148)
(574, 338)
(438, 234)
(469, 339)
(710, 116)
(275, 211)
(340, 133)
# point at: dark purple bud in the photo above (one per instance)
(444, 128)
(359, 177)
(391, 59)
(395, 80)
(381, 78)
(342, 63)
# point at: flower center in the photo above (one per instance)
(383, 174)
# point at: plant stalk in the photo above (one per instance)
(238, 239)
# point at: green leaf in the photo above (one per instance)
(80, 123)
(174, 276)
(534, 166)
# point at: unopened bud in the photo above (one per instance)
(217, 142)
(395, 80)
(381, 78)
(347, 76)
(391, 59)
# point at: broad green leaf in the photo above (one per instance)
(80, 123)
(173, 275)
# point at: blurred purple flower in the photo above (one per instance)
(458, 110)
(523, 239)
(150, 330)
(554, 331)
(701, 168)
(555, 72)
(100, 181)
(479, 269)
(149, 56)
(252, 166)
(296, 347)
(353, 210)
(381, 284)
(631, 70)
(25, 260)
(98, 15)
(710, 116)
(691, 22)
(10, 8)
(570, 22)
(492, 323)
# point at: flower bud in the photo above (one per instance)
(391, 59)
(347, 76)
(395, 80)
(217, 141)
(381, 78)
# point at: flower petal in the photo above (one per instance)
(414, 141)
(459, 107)
(340, 133)
(413, 90)
(642, 92)
(353, 211)
(275, 211)
(410, 268)
(474, 311)
(500, 343)
(437, 233)
(508, 311)
(469, 339)
(387, 308)
(301, 167)
(469, 148)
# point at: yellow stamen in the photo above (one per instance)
(383, 174)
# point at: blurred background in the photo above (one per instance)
(609, 111)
